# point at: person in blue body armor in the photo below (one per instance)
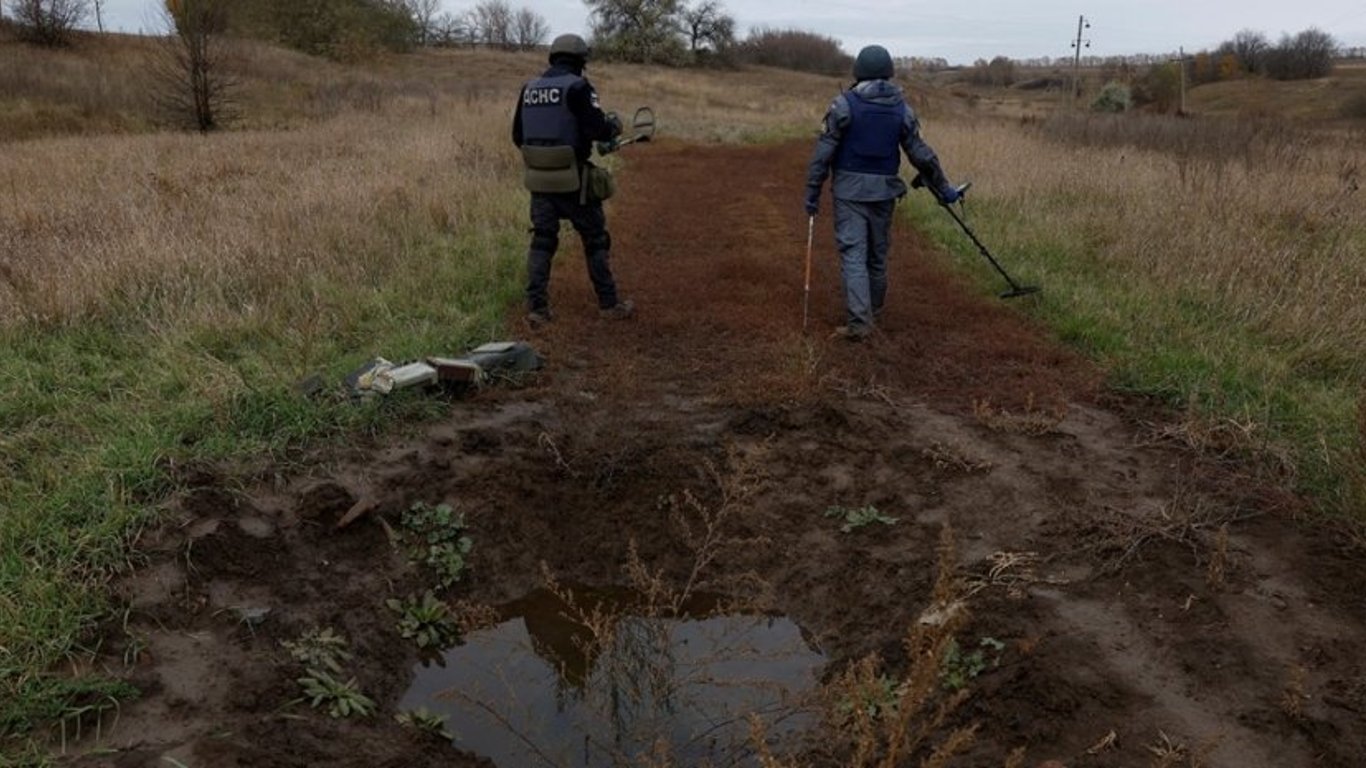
(866, 129)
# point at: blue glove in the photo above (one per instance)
(949, 195)
(813, 200)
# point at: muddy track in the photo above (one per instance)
(1095, 546)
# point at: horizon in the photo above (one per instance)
(989, 29)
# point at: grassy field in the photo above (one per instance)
(160, 293)
(1213, 264)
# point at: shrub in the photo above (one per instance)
(48, 22)
(795, 49)
(1114, 97)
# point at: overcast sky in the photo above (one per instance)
(964, 31)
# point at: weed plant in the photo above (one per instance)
(340, 699)
(426, 722)
(426, 621)
(439, 540)
(854, 518)
(320, 648)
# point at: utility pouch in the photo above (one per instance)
(599, 184)
(550, 169)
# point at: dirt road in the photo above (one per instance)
(1105, 600)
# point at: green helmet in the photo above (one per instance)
(569, 45)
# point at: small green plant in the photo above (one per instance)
(857, 517)
(426, 722)
(960, 668)
(320, 648)
(425, 620)
(875, 697)
(340, 699)
(440, 541)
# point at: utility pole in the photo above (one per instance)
(1082, 24)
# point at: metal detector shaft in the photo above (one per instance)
(981, 247)
(806, 294)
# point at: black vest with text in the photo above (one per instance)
(547, 120)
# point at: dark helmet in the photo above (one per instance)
(873, 63)
(569, 45)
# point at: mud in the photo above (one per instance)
(710, 429)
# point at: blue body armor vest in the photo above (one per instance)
(872, 144)
(546, 118)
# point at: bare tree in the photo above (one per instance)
(493, 21)
(708, 27)
(530, 28)
(194, 84)
(99, 14)
(1250, 48)
(426, 17)
(645, 31)
(1307, 55)
(450, 29)
(49, 22)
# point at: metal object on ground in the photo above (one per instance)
(505, 356)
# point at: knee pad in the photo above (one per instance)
(546, 240)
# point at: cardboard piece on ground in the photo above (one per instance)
(404, 377)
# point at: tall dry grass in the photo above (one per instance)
(169, 226)
(1220, 264)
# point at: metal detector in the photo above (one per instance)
(643, 126)
(1016, 290)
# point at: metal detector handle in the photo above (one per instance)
(919, 181)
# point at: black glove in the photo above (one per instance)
(813, 200)
(615, 123)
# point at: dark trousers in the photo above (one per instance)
(547, 210)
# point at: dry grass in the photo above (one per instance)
(168, 228)
(879, 720)
(1282, 251)
(1216, 265)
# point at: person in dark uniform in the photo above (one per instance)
(558, 119)
(866, 129)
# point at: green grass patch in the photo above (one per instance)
(94, 416)
(1189, 350)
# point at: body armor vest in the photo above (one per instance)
(872, 144)
(547, 120)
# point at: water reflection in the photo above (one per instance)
(599, 685)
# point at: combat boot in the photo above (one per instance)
(538, 318)
(854, 332)
(624, 310)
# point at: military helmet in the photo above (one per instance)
(873, 63)
(569, 45)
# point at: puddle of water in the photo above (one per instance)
(542, 688)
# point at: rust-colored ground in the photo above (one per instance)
(1126, 615)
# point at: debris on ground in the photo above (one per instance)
(455, 375)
